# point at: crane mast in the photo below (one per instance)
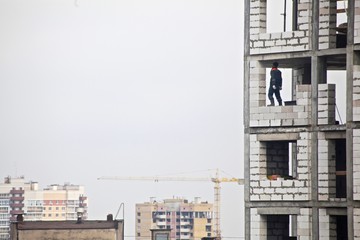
(217, 195)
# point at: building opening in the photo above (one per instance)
(281, 159)
(281, 15)
(341, 23)
(338, 227)
(340, 165)
(288, 87)
(339, 79)
(281, 227)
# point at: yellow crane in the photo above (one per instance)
(216, 180)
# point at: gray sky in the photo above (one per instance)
(123, 87)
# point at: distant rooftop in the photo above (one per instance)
(44, 225)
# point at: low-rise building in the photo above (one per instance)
(68, 230)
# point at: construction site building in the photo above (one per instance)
(302, 161)
(184, 219)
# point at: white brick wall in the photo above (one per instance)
(356, 92)
(262, 42)
(298, 115)
(263, 189)
(324, 225)
(326, 104)
(327, 24)
(356, 223)
(326, 168)
(258, 226)
(258, 229)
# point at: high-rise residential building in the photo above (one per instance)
(302, 161)
(187, 220)
(55, 202)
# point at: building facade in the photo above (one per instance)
(54, 203)
(302, 166)
(302, 178)
(187, 220)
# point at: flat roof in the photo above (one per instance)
(48, 225)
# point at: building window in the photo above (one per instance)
(281, 159)
(281, 226)
(281, 15)
(339, 222)
(340, 166)
(139, 214)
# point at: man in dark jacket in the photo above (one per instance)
(275, 84)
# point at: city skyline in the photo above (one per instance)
(112, 88)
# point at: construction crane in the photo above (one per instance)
(216, 180)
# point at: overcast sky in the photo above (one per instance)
(92, 88)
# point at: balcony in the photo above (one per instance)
(16, 212)
(184, 236)
(17, 191)
(82, 198)
(183, 223)
(161, 223)
(161, 216)
(20, 199)
(16, 205)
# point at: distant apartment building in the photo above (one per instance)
(186, 220)
(53, 203)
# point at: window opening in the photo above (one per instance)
(287, 84)
(281, 15)
(281, 227)
(338, 227)
(341, 23)
(339, 79)
(340, 166)
(281, 159)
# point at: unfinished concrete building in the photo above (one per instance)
(302, 162)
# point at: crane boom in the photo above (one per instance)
(216, 180)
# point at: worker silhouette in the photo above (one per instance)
(275, 84)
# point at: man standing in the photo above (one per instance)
(275, 84)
